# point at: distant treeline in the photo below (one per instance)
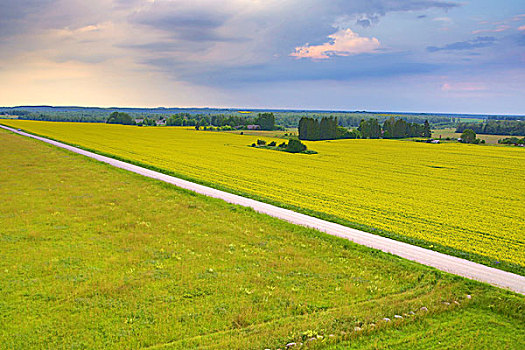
(83, 117)
(266, 121)
(328, 129)
(436, 121)
(233, 117)
(505, 117)
(495, 127)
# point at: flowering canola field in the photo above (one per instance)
(467, 197)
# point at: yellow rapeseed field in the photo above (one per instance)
(467, 197)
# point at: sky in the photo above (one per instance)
(376, 55)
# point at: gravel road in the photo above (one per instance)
(424, 256)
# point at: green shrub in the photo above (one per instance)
(295, 146)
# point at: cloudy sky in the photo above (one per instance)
(411, 55)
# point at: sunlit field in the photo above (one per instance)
(451, 132)
(469, 198)
(96, 257)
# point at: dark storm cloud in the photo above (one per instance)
(18, 15)
(186, 22)
(339, 69)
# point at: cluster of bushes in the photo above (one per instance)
(120, 118)
(512, 141)
(214, 128)
(469, 136)
(495, 127)
(293, 146)
(147, 122)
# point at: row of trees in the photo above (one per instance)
(328, 129)
(353, 119)
(393, 129)
(266, 121)
(81, 117)
(495, 127)
(313, 129)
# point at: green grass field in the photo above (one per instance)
(94, 257)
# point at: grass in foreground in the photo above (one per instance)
(94, 257)
(464, 200)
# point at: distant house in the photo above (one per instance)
(161, 122)
(253, 127)
(138, 121)
(435, 141)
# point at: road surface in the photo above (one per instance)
(424, 256)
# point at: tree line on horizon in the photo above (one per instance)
(328, 129)
(495, 127)
(220, 118)
(266, 121)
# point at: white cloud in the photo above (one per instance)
(443, 19)
(343, 43)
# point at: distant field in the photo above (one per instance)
(451, 132)
(261, 133)
(95, 257)
(471, 120)
(465, 198)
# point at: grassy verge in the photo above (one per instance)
(502, 265)
(96, 257)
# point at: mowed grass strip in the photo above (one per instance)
(94, 257)
(465, 200)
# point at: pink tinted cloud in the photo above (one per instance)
(498, 29)
(343, 43)
(521, 28)
(463, 87)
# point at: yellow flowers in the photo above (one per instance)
(466, 197)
